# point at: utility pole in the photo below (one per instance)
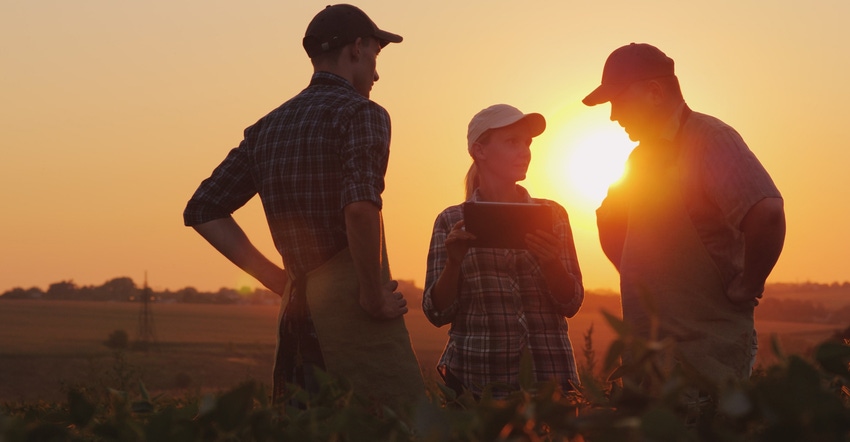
(147, 335)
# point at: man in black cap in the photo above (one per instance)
(318, 163)
(695, 226)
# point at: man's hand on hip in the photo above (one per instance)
(390, 304)
(740, 292)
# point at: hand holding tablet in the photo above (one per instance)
(504, 225)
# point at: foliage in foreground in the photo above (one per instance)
(799, 398)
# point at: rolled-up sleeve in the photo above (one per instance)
(228, 188)
(365, 155)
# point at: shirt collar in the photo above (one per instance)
(523, 194)
(671, 127)
(329, 79)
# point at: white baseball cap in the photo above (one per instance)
(501, 115)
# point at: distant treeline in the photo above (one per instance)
(124, 289)
(799, 302)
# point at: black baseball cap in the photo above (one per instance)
(629, 64)
(338, 25)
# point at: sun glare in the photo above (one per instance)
(584, 158)
(595, 161)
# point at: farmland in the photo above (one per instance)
(47, 346)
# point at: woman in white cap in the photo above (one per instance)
(503, 303)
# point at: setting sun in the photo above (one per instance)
(596, 161)
(584, 157)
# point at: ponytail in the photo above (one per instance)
(472, 180)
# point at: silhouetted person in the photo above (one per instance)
(318, 163)
(696, 224)
(503, 302)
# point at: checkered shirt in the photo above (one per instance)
(504, 308)
(323, 149)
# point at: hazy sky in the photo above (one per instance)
(113, 112)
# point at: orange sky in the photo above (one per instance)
(113, 112)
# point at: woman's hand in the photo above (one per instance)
(544, 246)
(457, 243)
(445, 291)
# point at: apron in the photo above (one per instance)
(376, 357)
(666, 271)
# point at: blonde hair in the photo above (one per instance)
(472, 180)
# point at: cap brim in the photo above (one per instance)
(388, 37)
(604, 93)
(536, 123)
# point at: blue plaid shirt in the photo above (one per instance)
(323, 149)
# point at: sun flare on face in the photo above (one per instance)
(583, 158)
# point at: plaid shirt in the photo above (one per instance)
(504, 308)
(325, 148)
(721, 180)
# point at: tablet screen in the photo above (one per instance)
(504, 225)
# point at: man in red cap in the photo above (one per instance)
(695, 226)
(318, 163)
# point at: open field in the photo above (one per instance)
(46, 346)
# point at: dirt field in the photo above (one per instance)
(46, 346)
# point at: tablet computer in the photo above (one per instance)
(504, 225)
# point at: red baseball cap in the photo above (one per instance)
(626, 65)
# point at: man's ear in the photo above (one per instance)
(357, 48)
(656, 91)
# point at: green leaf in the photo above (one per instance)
(663, 424)
(142, 407)
(449, 393)
(834, 357)
(232, 408)
(80, 408)
(777, 348)
(619, 372)
(144, 391)
(118, 394)
(615, 352)
(803, 374)
(617, 324)
(45, 432)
